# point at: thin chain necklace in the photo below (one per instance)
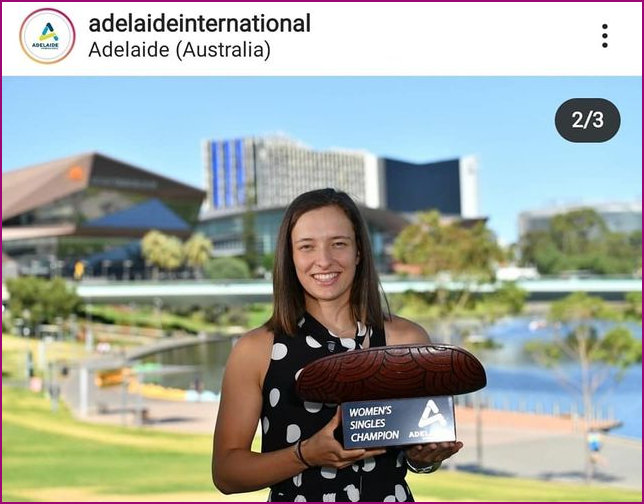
(340, 334)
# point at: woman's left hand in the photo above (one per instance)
(431, 453)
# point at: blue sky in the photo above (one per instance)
(508, 123)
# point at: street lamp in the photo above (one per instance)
(127, 264)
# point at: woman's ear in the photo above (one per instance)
(357, 257)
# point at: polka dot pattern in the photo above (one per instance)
(279, 351)
(312, 342)
(287, 419)
(400, 459)
(328, 472)
(348, 343)
(353, 494)
(274, 397)
(400, 493)
(313, 407)
(293, 433)
(369, 464)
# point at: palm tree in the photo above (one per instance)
(152, 249)
(197, 251)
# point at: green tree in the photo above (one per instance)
(465, 254)
(221, 268)
(508, 299)
(249, 231)
(268, 261)
(633, 309)
(162, 251)
(152, 249)
(600, 357)
(197, 250)
(41, 300)
(581, 240)
(173, 254)
(249, 236)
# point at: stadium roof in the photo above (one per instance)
(32, 187)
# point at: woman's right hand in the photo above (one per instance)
(322, 449)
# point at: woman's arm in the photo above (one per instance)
(235, 468)
(400, 331)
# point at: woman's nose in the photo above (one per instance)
(323, 257)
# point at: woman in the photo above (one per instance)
(326, 299)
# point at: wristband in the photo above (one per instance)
(300, 457)
(424, 470)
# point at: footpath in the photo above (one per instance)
(503, 443)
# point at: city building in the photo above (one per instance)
(620, 217)
(89, 208)
(268, 172)
(264, 174)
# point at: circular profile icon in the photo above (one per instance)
(47, 36)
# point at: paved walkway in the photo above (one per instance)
(511, 444)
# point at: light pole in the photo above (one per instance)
(127, 264)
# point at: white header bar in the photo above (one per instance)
(312, 39)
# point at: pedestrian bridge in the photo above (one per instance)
(189, 293)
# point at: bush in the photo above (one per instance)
(227, 268)
(43, 301)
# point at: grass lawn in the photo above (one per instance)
(15, 349)
(49, 456)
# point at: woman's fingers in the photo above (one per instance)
(433, 452)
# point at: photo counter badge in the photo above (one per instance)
(394, 395)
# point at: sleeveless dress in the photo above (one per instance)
(285, 419)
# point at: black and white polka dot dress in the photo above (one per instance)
(286, 419)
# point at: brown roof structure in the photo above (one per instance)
(34, 186)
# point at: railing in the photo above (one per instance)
(602, 417)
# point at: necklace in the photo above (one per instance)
(338, 334)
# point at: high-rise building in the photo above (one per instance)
(269, 172)
(272, 171)
(451, 186)
(265, 174)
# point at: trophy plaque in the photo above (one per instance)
(394, 395)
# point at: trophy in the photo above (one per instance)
(393, 395)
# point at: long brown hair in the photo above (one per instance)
(288, 294)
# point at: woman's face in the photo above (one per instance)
(325, 253)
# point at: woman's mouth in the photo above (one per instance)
(325, 278)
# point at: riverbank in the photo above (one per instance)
(504, 443)
(49, 456)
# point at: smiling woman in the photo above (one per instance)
(325, 256)
(327, 300)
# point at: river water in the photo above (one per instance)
(514, 381)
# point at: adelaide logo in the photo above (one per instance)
(47, 36)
